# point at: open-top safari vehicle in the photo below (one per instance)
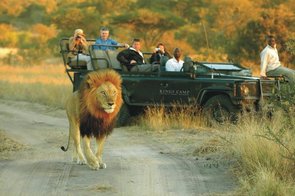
(221, 89)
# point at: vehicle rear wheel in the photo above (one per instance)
(220, 109)
(123, 116)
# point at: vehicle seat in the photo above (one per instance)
(114, 61)
(115, 64)
(77, 63)
(163, 61)
(99, 59)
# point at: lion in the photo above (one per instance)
(92, 112)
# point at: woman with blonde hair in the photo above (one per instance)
(79, 48)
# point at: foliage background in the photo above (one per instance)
(210, 30)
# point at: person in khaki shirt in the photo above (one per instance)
(79, 48)
(270, 62)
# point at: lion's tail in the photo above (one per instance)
(66, 149)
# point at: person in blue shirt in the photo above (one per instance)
(105, 40)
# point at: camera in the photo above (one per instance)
(78, 37)
(157, 49)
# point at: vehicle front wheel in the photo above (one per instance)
(220, 109)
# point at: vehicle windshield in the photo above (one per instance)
(216, 66)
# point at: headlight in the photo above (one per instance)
(244, 90)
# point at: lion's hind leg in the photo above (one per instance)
(78, 156)
(92, 161)
(100, 143)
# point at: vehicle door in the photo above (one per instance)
(178, 90)
(142, 89)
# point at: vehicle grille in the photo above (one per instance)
(268, 87)
(253, 89)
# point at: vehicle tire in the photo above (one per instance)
(123, 116)
(220, 109)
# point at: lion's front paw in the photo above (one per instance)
(93, 164)
(81, 162)
(102, 166)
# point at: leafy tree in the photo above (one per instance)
(291, 46)
(73, 18)
(210, 27)
(251, 39)
(33, 14)
(8, 36)
(88, 15)
(148, 25)
(273, 3)
(16, 7)
(13, 7)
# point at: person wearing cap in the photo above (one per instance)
(79, 48)
(105, 40)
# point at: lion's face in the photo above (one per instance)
(100, 94)
(106, 95)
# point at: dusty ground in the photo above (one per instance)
(138, 162)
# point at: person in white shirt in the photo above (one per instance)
(175, 63)
(270, 62)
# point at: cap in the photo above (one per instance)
(79, 32)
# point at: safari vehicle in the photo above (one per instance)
(222, 90)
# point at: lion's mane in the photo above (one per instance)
(94, 121)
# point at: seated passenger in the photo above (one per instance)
(79, 48)
(159, 52)
(133, 59)
(105, 40)
(270, 62)
(175, 63)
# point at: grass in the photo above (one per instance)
(45, 84)
(161, 119)
(263, 149)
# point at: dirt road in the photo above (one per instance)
(137, 163)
